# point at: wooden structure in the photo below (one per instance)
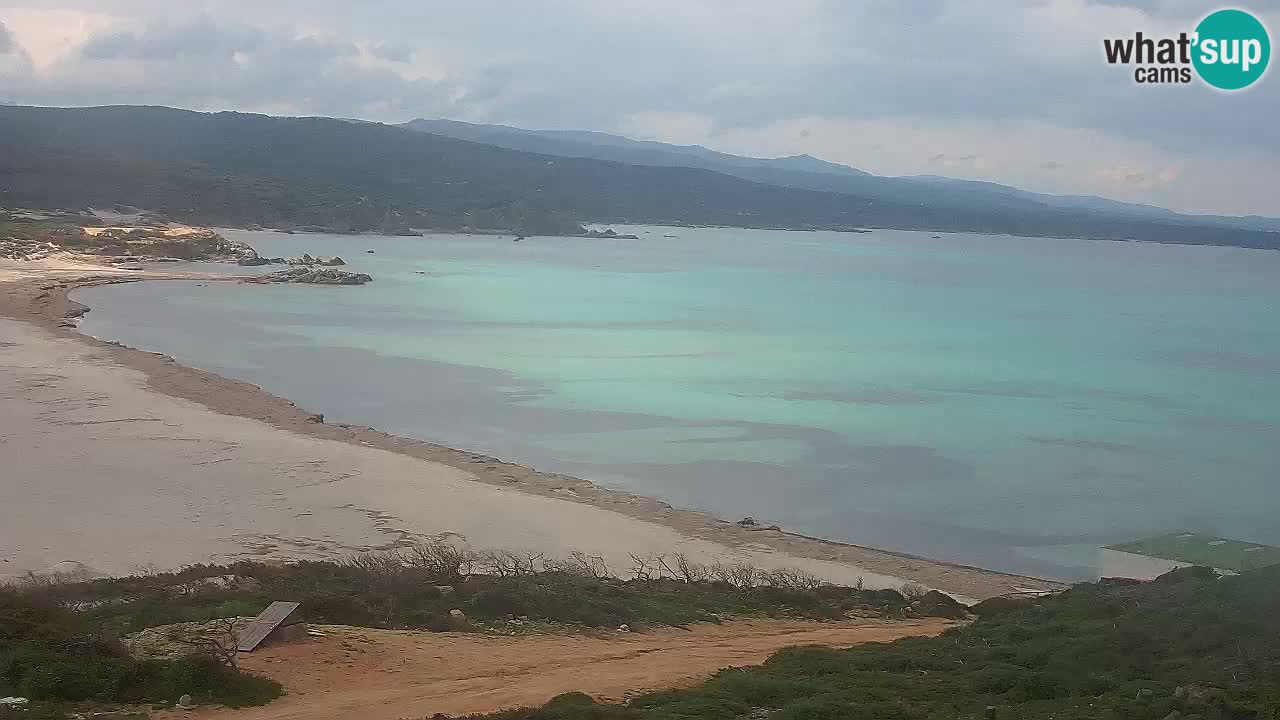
(281, 620)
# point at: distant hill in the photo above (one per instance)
(810, 173)
(1094, 203)
(241, 169)
(603, 146)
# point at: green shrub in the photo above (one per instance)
(1107, 650)
(48, 653)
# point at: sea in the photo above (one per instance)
(1006, 402)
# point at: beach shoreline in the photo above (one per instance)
(38, 295)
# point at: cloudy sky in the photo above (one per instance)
(1013, 91)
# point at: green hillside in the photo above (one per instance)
(238, 169)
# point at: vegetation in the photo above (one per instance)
(52, 654)
(418, 587)
(32, 234)
(60, 642)
(1188, 645)
(805, 172)
(239, 170)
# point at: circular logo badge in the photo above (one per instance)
(1232, 49)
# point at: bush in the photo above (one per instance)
(403, 590)
(1115, 651)
(48, 653)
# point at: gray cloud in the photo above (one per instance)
(6, 43)
(395, 52)
(162, 40)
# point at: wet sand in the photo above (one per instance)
(124, 460)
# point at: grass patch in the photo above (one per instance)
(1206, 550)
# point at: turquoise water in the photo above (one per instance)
(1000, 401)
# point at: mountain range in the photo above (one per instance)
(810, 173)
(238, 169)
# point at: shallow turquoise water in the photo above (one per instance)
(1001, 401)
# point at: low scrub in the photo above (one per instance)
(1189, 646)
(417, 587)
(52, 654)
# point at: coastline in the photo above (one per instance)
(39, 298)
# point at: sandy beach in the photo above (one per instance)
(116, 461)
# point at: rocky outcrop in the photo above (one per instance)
(610, 234)
(307, 260)
(310, 276)
(255, 260)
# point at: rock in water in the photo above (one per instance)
(308, 260)
(309, 276)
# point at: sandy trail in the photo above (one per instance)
(386, 674)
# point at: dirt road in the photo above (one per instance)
(385, 674)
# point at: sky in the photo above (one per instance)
(1010, 91)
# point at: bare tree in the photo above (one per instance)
(220, 642)
(791, 579)
(688, 570)
(579, 564)
(645, 568)
(740, 575)
(509, 563)
(445, 562)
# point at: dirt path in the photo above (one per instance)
(386, 674)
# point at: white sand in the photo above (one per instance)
(96, 468)
(58, 266)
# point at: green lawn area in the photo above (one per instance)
(1205, 550)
